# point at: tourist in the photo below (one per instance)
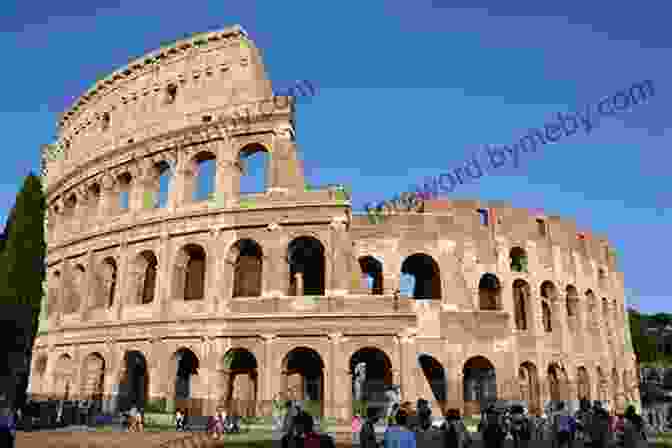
(563, 426)
(398, 435)
(455, 433)
(521, 426)
(424, 416)
(634, 433)
(7, 423)
(179, 420)
(599, 427)
(492, 430)
(367, 435)
(217, 423)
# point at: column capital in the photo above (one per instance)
(335, 337)
(268, 338)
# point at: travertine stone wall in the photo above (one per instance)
(98, 260)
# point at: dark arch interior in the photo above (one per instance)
(240, 359)
(480, 381)
(488, 291)
(306, 255)
(435, 375)
(378, 376)
(374, 269)
(149, 277)
(187, 365)
(309, 365)
(194, 285)
(248, 269)
(133, 388)
(427, 276)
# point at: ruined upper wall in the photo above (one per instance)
(209, 71)
(461, 220)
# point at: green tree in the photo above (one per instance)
(23, 267)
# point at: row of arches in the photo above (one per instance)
(155, 183)
(303, 374)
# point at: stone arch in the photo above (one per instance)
(240, 378)
(125, 184)
(187, 365)
(54, 292)
(70, 205)
(161, 182)
(592, 305)
(572, 301)
(518, 259)
(479, 383)
(133, 380)
(254, 162)
(530, 390)
(93, 378)
(64, 377)
(107, 283)
(94, 194)
(144, 272)
(521, 303)
(307, 266)
(426, 273)
(490, 292)
(372, 274)
(78, 289)
(200, 177)
(583, 383)
(303, 376)
(247, 257)
(557, 382)
(436, 377)
(378, 377)
(190, 273)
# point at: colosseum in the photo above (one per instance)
(209, 296)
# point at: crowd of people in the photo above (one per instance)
(592, 425)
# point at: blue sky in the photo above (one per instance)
(405, 90)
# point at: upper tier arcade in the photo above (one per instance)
(166, 90)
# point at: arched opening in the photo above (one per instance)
(203, 180)
(489, 293)
(94, 194)
(436, 377)
(78, 292)
(157, 196)
(530, 391)
(427, 276)
(187, 365)
(133, 381)
(54, 285)
(583, 387)
(303, 378)
(549, 297)
(602, 279)
(190, 273)
(124, 183)
(306, 267)
(93, 379)
(521, 300)
(63, 376)
(546, 316)
(247, 269)
(480, 384)
(557, 382)
(150, 266)
(518, 258)
(253, 161)
(591, 301)
(572, 301)
(371, 371)
(70, 206)
(107, 283)
(372, 274)
(240, 375)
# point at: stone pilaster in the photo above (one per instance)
(179, 183)
(108, 200)
(165, 258)
(64, 295)
(339, 404)
(227, 181)
(266, 396)
(88, 297)
(341, 255)
(123, 292)
(277, 274)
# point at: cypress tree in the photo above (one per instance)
(25, 251)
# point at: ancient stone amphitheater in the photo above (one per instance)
(223, 297)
